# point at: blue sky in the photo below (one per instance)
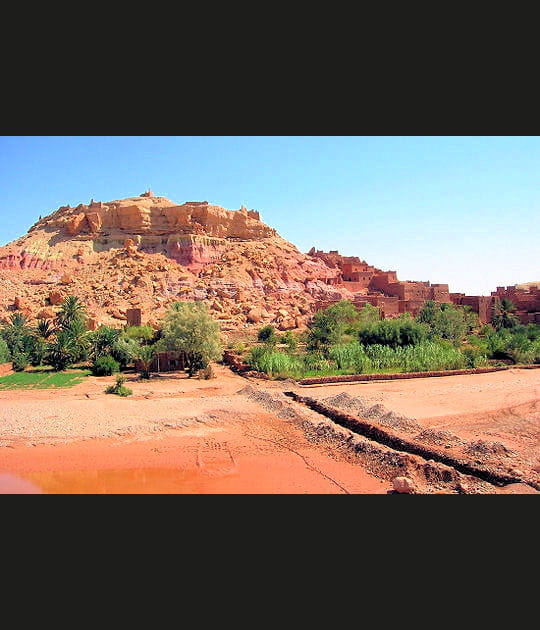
(461, 210)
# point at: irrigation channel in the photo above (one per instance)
(364, 427)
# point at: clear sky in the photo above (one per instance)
(460, 210)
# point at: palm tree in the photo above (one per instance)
(17, 333)
(44, 329)
(102, 341)
(145, 355)
(77, 332)
(504, 317)
(38, 347)
(62, 351)
(70, 310)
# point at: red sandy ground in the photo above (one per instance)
(498, 406)
(228, 462)
(244, 449)
(89, 442)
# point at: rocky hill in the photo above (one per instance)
(147, 251)
(528, 285)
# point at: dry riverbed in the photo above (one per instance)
(188, 436)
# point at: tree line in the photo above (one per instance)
(66, 340)
(343, 339)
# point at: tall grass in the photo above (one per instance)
(351, 356)
(355, 358)
(431, 357)
(275, 363)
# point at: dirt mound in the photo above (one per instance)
(361, 407)
(397, 421)
(488, 450)
(438, 437)
(347, 403)
(276, 403)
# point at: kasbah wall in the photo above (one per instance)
(393, 297)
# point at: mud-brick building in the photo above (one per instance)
(134, 316)
(165, 362)
(526, 301)
(481, 304)
(388, 305)
(359, 272)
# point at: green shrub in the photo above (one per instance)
(316, 361)
(188, 327)
(206, 373)
(5, 354)
(355, 358)
(145, 357)
(267, 334)
(139, 333)
(521, 349)
(350, 356)
(424, 357)
(62, 351)
(327, 326)
(447, 321)
(503, 315)
(105, 366)
(118, 388)
(474, 357)
(20, 362)
(124, 350)
(432, 357)
(102, 341)
(519, 344)
(394, 333)
(16, 333)
(38, 351)
(290, 340)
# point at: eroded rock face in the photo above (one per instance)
(147, 215)
(194, 252)
(26, 260)
(74, 224)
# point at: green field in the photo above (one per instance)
(42, 379)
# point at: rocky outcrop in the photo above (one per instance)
(75, 223)
(147, 215)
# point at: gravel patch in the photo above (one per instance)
(438, 437)
(487, 450)
(271, 402)
(361, 407)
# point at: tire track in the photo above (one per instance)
(310, 466)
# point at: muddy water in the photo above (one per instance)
(13, 484)
(128, 481)
(183, 464)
